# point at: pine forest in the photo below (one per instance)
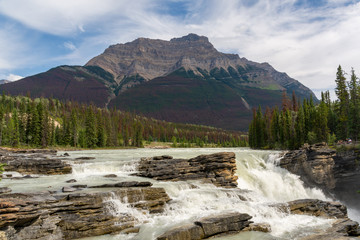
(41, 122)
(298, 123)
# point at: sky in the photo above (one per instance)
(307, 39)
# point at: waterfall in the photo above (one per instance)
(261, 186)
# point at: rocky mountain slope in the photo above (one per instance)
(182, 80)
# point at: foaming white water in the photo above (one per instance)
(101, 168)
(260, 173)
(121, 207)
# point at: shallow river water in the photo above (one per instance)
(257, 172)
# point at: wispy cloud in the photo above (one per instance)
(306, 39)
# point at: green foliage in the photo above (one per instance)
(296, 124)
(1, 169)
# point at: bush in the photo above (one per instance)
(1, 169)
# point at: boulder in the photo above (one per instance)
(71, 181)
(318, 208)
(110, 176)
(209, 226)
(76, 215)
(217, 168)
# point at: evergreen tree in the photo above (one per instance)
(354, 108)
(342, 105)
(90, 129)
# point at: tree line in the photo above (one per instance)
(298, 122)
(44, 122)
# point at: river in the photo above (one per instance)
(258, 173)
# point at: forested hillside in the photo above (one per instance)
(50, 122)
(295, 123)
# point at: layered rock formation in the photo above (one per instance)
(337, 173)
(46, 216)
(34, 162)
(209, 227)
(314, 164)
(217, 168)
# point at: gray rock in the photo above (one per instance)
(217, 168)
(68, 189)
(71, 181)
(209, 226)
(110, 176)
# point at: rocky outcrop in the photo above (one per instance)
(335, 172)
(209, 227)
(318, 208)
(46, 216)
(343, 228)
(217, 168)
(313, 163)
(34, 162)
(347, 175)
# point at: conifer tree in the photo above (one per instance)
(342, 105)
(90, 128)
(354, 108)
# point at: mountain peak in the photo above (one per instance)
(151, 58)
(191, 37)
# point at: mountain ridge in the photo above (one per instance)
(164, 79)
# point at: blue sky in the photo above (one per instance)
(307, 39)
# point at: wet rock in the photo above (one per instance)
(318, 208)
(79, 186)
(85, 158)
(68, 189)
(34, 162)
(258, 227)
(124, 185)
(110, 176)
(4, 190)
(217, 168)
(209, 226)
(77, 215)
(66, 154)
(190, 231)
(71, 181)
(342, 229)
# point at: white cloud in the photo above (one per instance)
(306, 42)
(70, 46)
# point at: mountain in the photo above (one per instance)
(182, 80)
(3, 81)
(89, 84)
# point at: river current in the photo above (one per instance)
(267, 184)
